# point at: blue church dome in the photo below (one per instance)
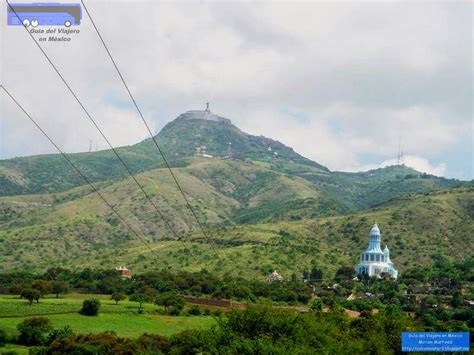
(375, 230)
(374, 261)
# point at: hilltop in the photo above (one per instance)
(197, 133)
(265, 206)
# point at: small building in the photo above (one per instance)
(356, 296)
(203, 115)
(124, 272)
(274, 276)
(374, 261)
(469, 303)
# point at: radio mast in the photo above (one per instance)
(400, 157)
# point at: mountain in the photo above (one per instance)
(179, 139)
(223, 192)
(264, 205)
(362, 190)
(201, 133)
(186, 137)
(73, 229)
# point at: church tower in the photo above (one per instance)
(374, 261)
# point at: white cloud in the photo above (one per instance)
(362, 75)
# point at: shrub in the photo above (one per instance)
(3, 337)
(64, 332)
(176, 309)
(90, 307)
(108, 343)
(194, 310)
(316, 304)
(33, 331)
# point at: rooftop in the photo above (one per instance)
(203, 115)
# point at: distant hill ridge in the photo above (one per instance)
(207, 135)
(75, 230)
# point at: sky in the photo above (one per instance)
(343, 83)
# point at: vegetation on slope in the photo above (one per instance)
(182, 139)
(416, 228)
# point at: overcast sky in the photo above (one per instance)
(342, 83)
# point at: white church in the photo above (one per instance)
(374, 261)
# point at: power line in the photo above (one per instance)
(75, 167)
(102, 134)
(86, 179)
(149, 130)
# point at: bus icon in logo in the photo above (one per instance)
(44, 14)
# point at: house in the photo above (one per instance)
(124, 272)
(469, 303)
(274, 276)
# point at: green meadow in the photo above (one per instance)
(123, 319)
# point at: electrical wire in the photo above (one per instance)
(188, 204)
(101, 132)
(78, 171)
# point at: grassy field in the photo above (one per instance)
(15, 349)
(123, 318)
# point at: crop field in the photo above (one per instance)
(122, 319)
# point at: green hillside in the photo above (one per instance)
(366, 189)
(81, 233)
(182, 139)
(223, 192)
(266, 207)
(178, 139)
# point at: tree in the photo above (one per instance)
(150, 294)
(31, 295)
(457, 300)
(58, 287)
(171, 301)
(428, 302)
(57, 273)
(118, 296)
(33, 331)
(44, 287)
(16, 288)
(140, 298)
(90, 307)
(316, 274)
(344, 273)
(166, 299)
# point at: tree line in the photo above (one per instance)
(258, 329)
